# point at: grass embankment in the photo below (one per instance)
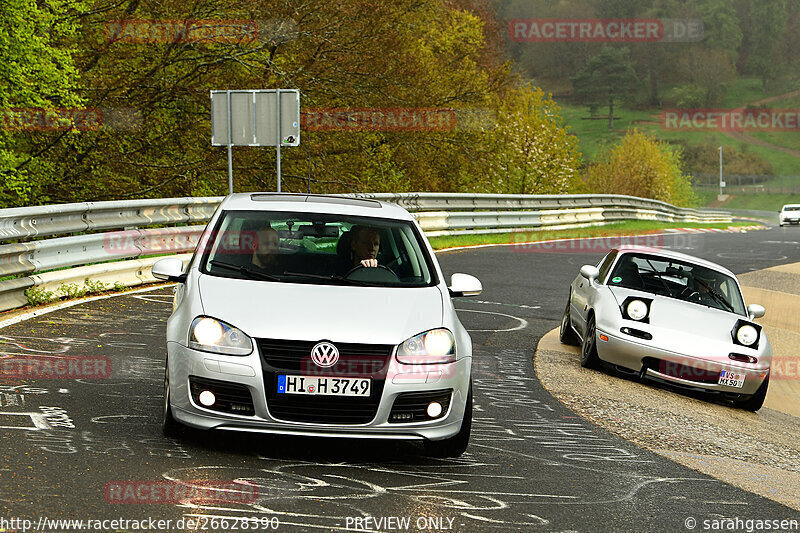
(593, 134)
(617, 228)
(760, 201)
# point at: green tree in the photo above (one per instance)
(621, 8)
(608, 77)
(720, 26)
(530, 150)
(36, 54)
(642, 166)
(768, 20)
(709, 72)
(340, 53)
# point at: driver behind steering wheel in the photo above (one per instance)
(700, 287)
(364, 246)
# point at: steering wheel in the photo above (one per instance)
(383, 274)
(690, 294)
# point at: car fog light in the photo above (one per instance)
(434, 409)
(207, 398)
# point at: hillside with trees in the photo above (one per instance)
(100, 103)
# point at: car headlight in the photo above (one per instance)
(434, 346)
(211, 335)
(637, 309)
(747, 335)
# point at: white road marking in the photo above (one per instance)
(522, 322)
(509, 305)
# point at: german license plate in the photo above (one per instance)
(323, 386)
(731, 379)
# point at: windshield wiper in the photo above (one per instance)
(332, 277)
(717, 296)
(663, 282)
(254, 274)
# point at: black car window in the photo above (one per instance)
(317, 248)
(605, 265)
(678, 279)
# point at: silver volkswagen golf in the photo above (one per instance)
(318, 315)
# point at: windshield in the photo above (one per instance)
(678, 279)
(317, 248)
(791, 208)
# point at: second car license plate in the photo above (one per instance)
(323, 386)
(731, 379)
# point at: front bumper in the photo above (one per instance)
(248, 372)
(636, 356)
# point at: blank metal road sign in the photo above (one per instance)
(255, 117)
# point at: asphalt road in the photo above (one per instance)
(532, 464)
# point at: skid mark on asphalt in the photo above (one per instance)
(522, 322)
(528, 458)
(518, 456)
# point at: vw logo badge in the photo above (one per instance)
(324, 354)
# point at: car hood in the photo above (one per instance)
(686, 327)
(371, 315)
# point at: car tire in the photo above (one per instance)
(566, 334)
(169, 426)
(456, 445)
(756, 401)
(589, 358)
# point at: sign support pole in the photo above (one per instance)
(230, 148)
(256, 123)
(278, 147)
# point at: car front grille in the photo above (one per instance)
(678, 370)
(355, 361)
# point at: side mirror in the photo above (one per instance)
(169, 269)
(464, 285)
(756, 311)
(590, 272)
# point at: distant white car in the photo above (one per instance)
(670, 317)
(321, 316)
(790, 214)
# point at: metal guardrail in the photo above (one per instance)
(463, 213)
(47, 220)
(79, 249)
